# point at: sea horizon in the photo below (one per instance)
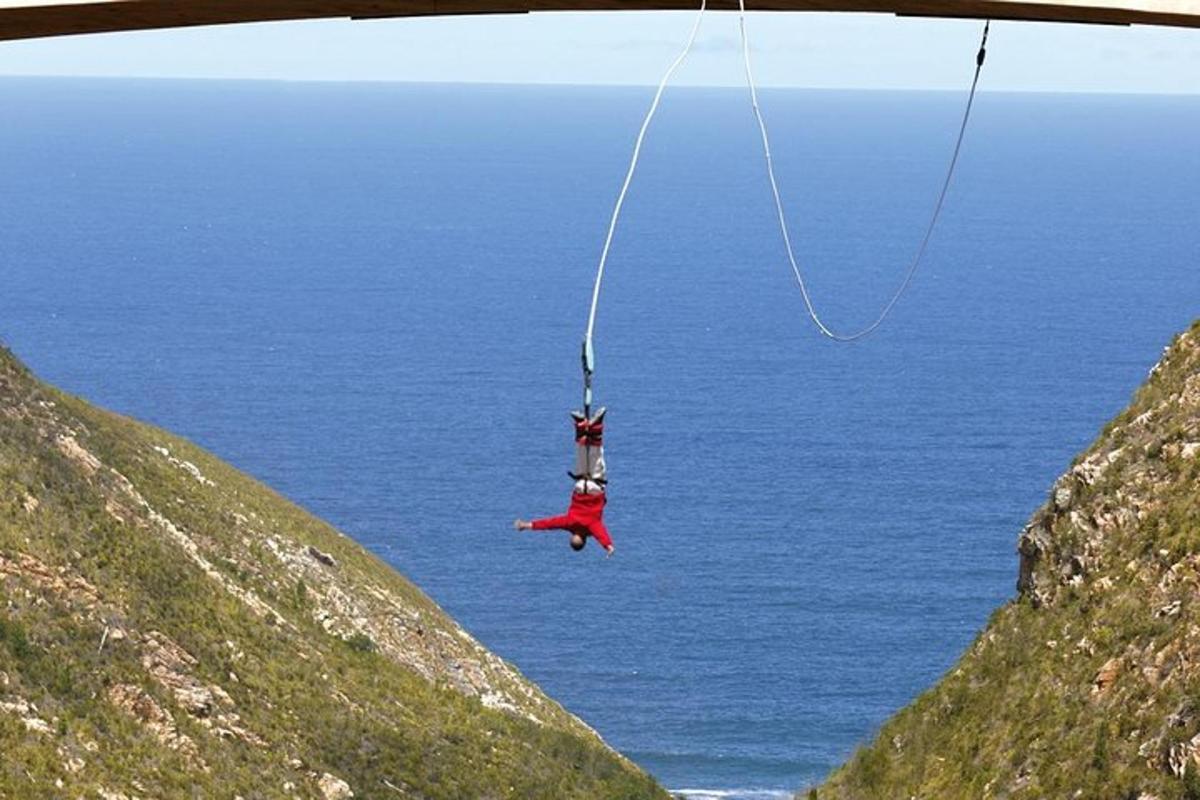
(683, 87)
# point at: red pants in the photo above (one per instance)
(584, 516)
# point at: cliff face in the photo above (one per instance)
(171, 628)
(1088, 684)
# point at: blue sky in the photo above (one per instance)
(800, 49)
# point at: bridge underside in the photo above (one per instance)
(22, 19)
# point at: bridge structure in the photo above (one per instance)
(28, 19)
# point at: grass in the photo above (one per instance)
(1019, 716)
(317, 701)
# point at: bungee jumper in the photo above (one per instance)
(585, 515)
(589, 495)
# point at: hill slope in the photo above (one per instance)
(171, 628)
(1088, 684)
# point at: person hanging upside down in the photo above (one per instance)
(585, 515)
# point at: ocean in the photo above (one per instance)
(372, 296)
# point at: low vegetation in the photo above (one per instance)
(1088, 684)
(170, 628)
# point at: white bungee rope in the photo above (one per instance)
(588, 355)
(588, 352)
(783, 227)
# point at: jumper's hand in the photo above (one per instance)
(522, 525)
(610, 550)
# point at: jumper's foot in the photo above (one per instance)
(598, 417)
(589, 432)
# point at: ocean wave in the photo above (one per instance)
(732, 794)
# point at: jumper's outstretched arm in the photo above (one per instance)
(559, 523)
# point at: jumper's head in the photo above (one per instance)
(577, 541)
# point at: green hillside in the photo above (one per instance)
(1088, 684)
(170, 628)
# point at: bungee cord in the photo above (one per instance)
(588, 352)
(633, 162)
(783, 226)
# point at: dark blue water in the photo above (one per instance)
(371, 297)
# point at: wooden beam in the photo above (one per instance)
(23, 19)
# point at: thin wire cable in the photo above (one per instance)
(933, 220)
(633, 162)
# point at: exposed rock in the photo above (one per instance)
(333, 788)
(1032, 545)
(171, 666)
(1062, 495)
(142, 707)
(70, 447)
(1169, 610)
(186, 466)
(28, 714)
(1184, 756)
(1106, 676)
(324, 558)
(37, 726)
(70, 588)
(356, 612)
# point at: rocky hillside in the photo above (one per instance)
(1088, 684)
(171, 628)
